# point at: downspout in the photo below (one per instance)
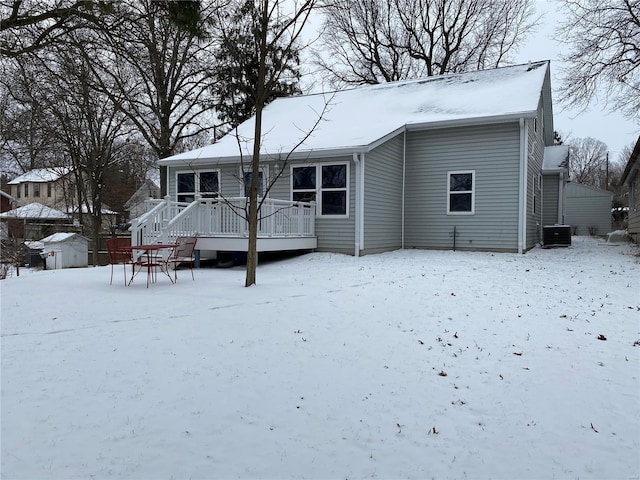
(522, 194)
(356, 161)
(360, 217)
(404, 178)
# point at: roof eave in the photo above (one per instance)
(470, 121)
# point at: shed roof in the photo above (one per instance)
(355, 119)
(61, 237)
(41, 175)
(35, 210)
(579, 190)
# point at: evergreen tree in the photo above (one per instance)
(237, 66)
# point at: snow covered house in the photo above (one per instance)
(52, 187)
(135, 204)
(631, 178)
(34, 220)
(454, 161)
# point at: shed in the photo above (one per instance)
(66, 250)
(588, 209)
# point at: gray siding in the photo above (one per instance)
(334, 234)
(493, 152)
(588, 208)
(550, 185)
(383, 196)
(535, 154)
(634, 209)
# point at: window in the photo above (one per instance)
(26, 190)
(36, 189)
(18, 191)
(49, 189)
(203, 183)
(247, 183)
(461, 193)
(324, 184)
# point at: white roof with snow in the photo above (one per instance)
(34, 210)
(59, 237)
(354, 120)
(556, 158)
(41, 175)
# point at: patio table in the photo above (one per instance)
(149, 255)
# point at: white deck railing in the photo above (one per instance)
(167, 219)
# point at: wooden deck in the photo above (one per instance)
(221, 226)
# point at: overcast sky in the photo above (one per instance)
(611, 128)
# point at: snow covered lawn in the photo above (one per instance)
(409, 364)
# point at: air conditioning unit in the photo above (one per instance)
(556, 236)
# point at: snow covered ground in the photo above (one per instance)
(409, 364)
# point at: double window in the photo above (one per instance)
(461, 192)
(325, 184)
(203, 183)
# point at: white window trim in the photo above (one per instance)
(319, 189)
(265, 179)
(197, 173)
(473, 192)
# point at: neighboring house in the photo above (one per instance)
(48, 186)
(631, 178)
(34, 220)
(7, 202)
(588, 209)
(461, 159)
(136, 204)
(81, 216)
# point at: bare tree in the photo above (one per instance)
(89, 126)
(605, 54)
(374, 41)
(158, 71)
(27, 26)
(588, 159)
(276, 27)
(26, 140)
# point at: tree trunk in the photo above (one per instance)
(252, 254)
